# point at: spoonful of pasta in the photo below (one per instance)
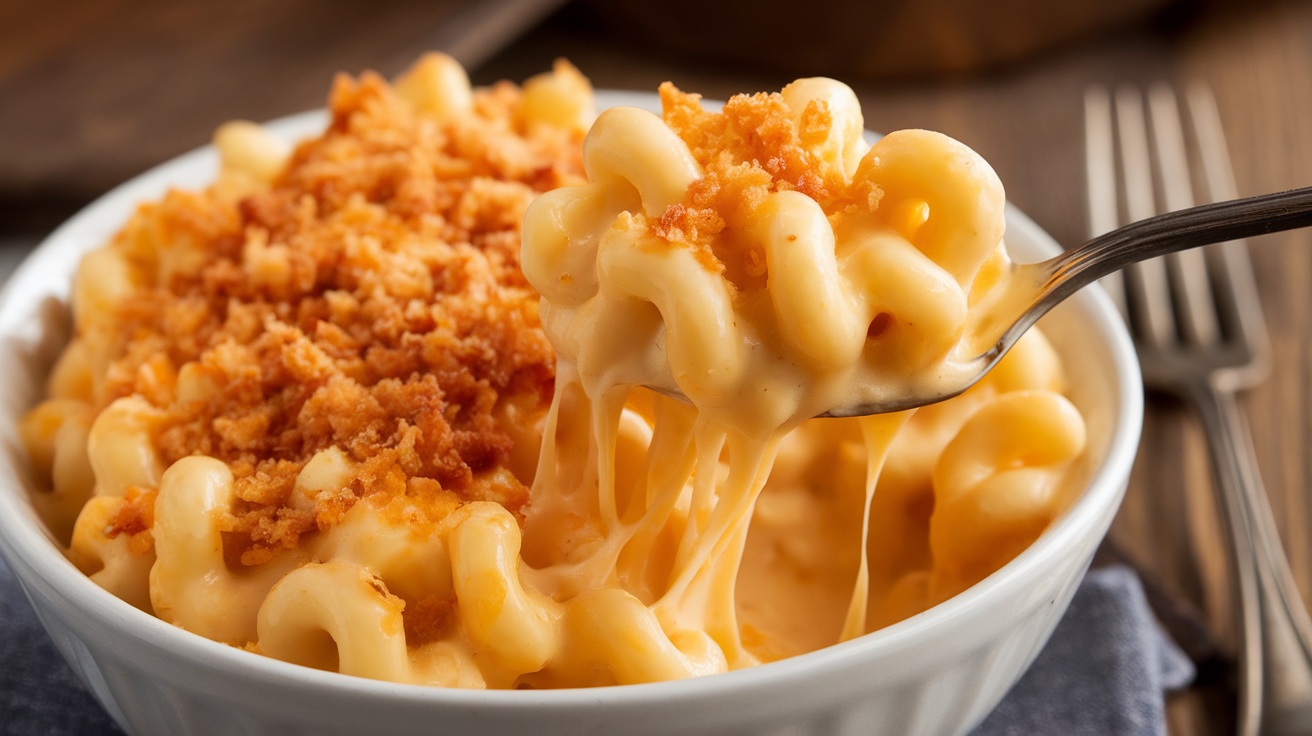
(1023, 293)
(769, 279)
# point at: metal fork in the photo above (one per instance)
(1198, 326)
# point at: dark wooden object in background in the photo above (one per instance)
(869, 38)
(93, 92)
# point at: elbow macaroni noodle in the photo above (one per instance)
(762, 261)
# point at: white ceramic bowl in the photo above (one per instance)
(939, 672)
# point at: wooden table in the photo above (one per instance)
(1027, 120)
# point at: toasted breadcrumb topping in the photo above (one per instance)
(753, 147)
(370, 300)
(135, 517)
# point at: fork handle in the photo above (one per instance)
(1218, 222)
(1275, 634)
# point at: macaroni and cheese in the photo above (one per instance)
(382, 403)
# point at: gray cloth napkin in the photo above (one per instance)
(1103, 673)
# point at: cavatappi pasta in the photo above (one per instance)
(766, 263)
(313, 411)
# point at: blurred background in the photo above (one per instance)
(93, 92)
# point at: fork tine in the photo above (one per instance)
(1236, 288)
(1216, 157)
(1187, 270)
(1100, 163)
(1146, 283)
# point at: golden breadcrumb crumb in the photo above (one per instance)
(134, 517)
(753, 147)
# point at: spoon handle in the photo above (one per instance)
(1175, 231)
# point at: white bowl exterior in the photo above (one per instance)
(939, 672)
(155, 684)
